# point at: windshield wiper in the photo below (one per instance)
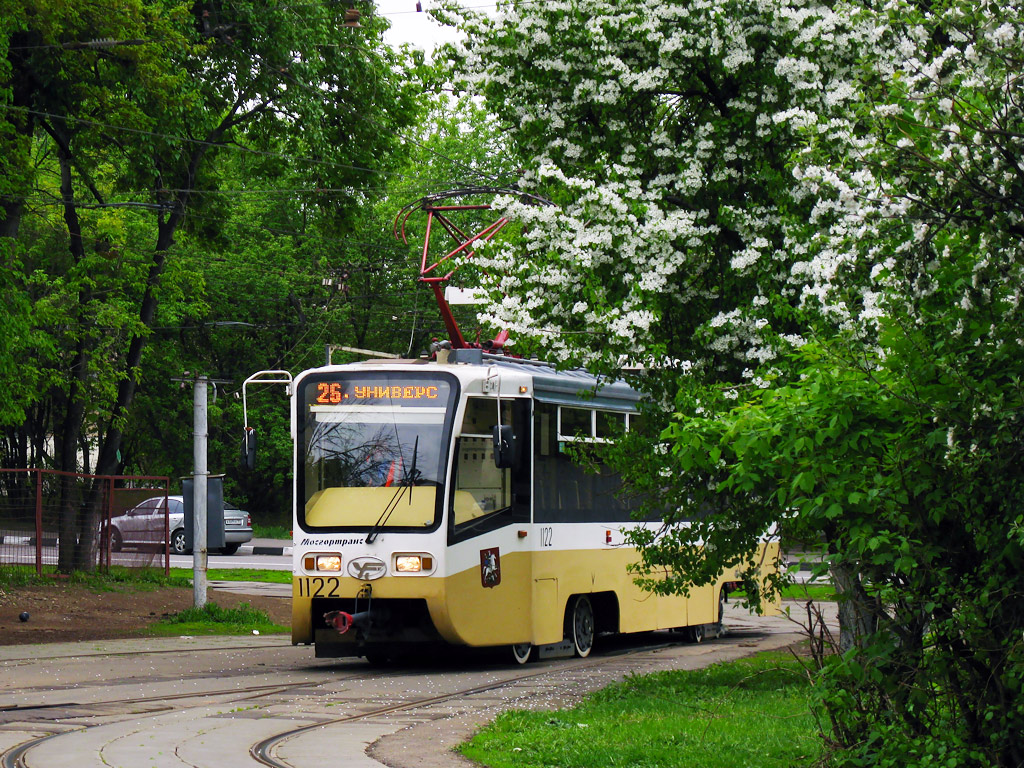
(407, 484)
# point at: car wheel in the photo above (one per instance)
(116, 541)
(229, 549)
(581, 626)
(178, 542)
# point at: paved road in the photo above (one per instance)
(259, 554)
(239, 702)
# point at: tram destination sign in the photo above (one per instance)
(355, 392)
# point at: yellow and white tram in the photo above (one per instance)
(436, 502)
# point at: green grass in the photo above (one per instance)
(119, 578)
(754, 712)
(821, 593)
(271, 532)
(14, 576)
(114, 579)
(239, 574)
(211, 619)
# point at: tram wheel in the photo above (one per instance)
(522, 652)
(581, 626)
(720, 624)
(377, 658)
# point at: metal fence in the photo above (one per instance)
(51, 519)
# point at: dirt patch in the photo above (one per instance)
(66, 612)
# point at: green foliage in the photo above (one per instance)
(753, 712)
(179, 179)
(913, 479)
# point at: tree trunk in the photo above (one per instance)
(10, 210)
(857, 615)
(69, 556)
(15, 147)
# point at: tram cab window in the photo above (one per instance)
(484, 496)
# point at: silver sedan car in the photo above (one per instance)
(143, 525)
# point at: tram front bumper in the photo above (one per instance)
(343, 622)
(340, 630)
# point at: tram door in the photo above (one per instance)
(490, 580)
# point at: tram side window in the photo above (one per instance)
(565, 490)
(484, 496)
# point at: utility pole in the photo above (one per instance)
(200, 482)
(200, 474)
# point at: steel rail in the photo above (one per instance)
(261, 750)
(15, 756)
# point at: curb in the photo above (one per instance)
(257, 550)
(26, 540)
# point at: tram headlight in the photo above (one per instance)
(408, 564)
(413, 563)
(322, 563)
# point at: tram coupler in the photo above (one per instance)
(343, 621)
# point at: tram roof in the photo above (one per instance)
(572, 387)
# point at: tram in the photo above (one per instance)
(436, 502)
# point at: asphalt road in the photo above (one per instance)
(259, 554)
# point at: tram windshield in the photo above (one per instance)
(372, 450)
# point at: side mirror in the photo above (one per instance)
(249, 449)
(504, 446)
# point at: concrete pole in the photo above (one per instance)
(199, 488)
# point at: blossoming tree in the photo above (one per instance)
(803, 221)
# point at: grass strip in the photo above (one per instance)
(279, 532)
(120, 578)
(754, 712)
(238, 574)
(819, 593)
(212, 619)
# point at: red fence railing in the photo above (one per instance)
(70, 520)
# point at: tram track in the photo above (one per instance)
(14, 757)
(267, 689)
(135, 652)
(263, 751)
